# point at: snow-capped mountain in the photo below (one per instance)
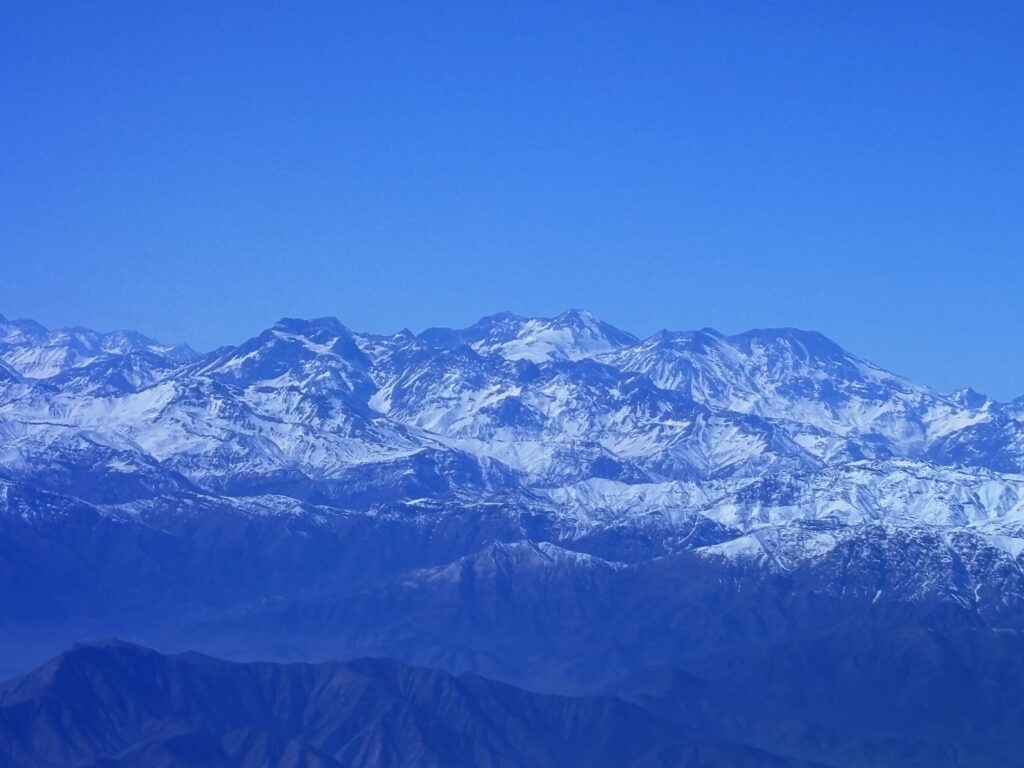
(38, 353)
(761, 428)
(572, 335)
(381, 479)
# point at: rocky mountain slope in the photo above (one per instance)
(567, 418)
(551, 502)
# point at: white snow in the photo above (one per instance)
(760, 435)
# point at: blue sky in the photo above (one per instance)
(197, 170)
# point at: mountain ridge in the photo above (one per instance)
(118, 704)
(313, 410)
(547, 502)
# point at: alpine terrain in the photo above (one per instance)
(533, 541)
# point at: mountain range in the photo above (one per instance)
(116, 704)
(551, 503)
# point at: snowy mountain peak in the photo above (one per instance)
(317, 326)
(808, 343)
(38, 353)
(21, 331)
(592, 333)
(572, 335)
(292, 350)
(969, 398)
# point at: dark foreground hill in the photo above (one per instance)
(115, 704)
(857, 700)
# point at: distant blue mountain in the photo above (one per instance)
(115, 704)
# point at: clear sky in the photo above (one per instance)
(197, 170)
